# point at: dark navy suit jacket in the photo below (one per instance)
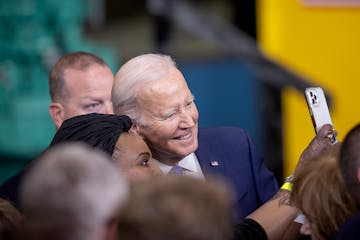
(229, 152)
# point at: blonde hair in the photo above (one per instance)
(320, 193)
(177, 208)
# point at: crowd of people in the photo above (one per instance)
(129, 161)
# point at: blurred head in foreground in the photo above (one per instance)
(72, 192)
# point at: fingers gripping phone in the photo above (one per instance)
(318, 108)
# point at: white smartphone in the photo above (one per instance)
(318, 108)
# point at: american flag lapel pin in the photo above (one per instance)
(214, 163)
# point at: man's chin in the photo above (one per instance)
(188, 150)
(174, 153)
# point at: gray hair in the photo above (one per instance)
(134, 75)
(71, 192)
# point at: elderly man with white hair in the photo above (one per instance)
(152, 91)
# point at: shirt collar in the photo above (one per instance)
(189, 163)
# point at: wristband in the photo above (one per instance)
(287, 186)
(288, 183)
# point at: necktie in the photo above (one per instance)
(177, 170)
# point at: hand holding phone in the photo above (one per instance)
(318, 108)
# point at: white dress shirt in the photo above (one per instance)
(190, 164)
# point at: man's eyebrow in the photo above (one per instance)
(169, 111)
(94, 99)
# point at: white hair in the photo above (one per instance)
(71, 191)
(134, 75)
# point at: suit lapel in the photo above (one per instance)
(207, 157)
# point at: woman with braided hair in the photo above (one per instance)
(110, 133)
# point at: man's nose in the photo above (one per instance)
(186, 120)
(109, 108)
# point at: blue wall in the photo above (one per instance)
(226, 94)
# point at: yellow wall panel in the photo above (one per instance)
(322, 44)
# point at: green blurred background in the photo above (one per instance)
(33, 35)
